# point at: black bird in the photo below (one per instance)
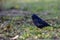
(39, 22)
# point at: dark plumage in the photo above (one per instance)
(39, 22)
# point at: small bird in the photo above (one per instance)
(39, 22)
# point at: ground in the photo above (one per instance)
(24, 27)
(18, 21)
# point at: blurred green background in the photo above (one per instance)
(48, 10)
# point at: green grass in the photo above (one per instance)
(31, 31)
(52, 7)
